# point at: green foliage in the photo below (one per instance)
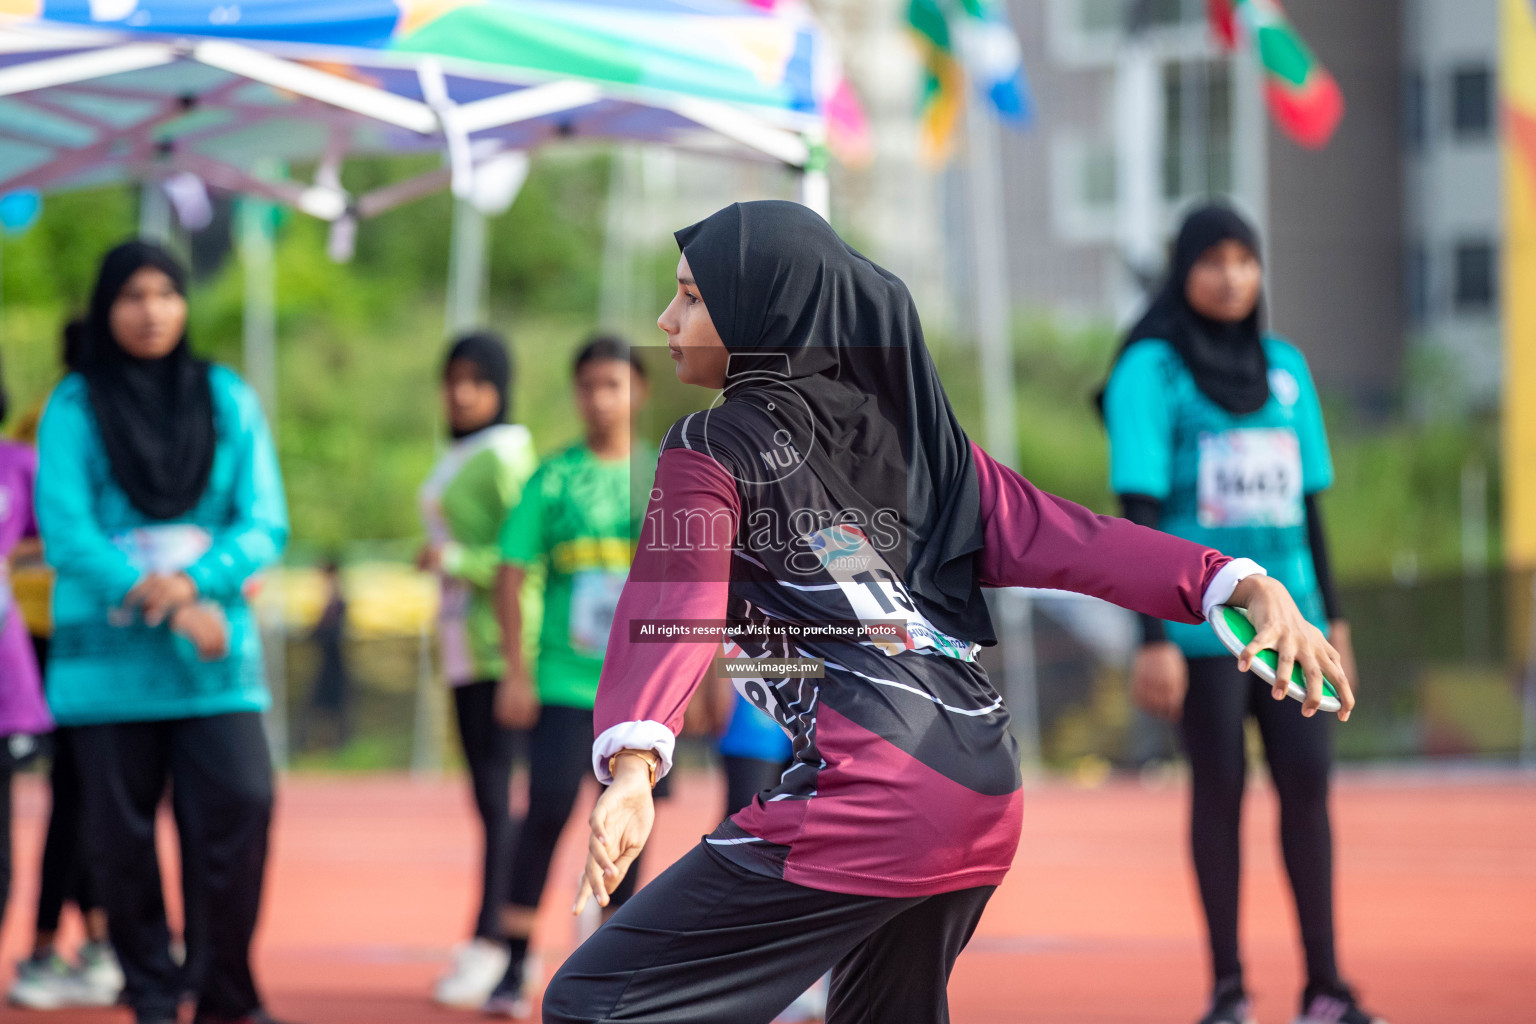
(1058, 370)
(46, 277)
(360, 343)
(1397, 497)
(359, 348)
(54, 264)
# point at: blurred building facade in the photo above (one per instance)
(1453, 208)
(1383, 247)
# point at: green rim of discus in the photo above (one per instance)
(1239, 633)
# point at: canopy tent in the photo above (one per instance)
(195, 93)
(93, 91)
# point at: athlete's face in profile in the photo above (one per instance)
(471, 400)
(149, 314)
(606, 390)
(1224, 283)
(692, 340)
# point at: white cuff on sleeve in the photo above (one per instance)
(1226, 580)
(633, 736)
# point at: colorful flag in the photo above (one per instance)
(1302, 95)
(960, 40)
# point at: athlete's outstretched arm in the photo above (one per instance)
(1035, 539)
(681, 575)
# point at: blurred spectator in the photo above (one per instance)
(464, 501)
(331, 695)
(158, 498)
(1216, 435)
(577, 522)
(23, 714)
(46, 980)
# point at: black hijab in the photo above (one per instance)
(155, 415)
(806, 318)
(1226, 359)
(488, 353)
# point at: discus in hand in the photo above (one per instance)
(1236, 632)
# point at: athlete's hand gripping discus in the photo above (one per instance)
(1236, 632)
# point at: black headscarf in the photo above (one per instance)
(1226, 359)
(488, 353)
(155, 415)
(802, 312)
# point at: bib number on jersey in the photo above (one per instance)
(1250, 477)
(594, 600)
(877, 595)
(164, 549)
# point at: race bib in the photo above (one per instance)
(1250, 478)
(453, 633)
(164, 549)
(876, 594)
(594, 599)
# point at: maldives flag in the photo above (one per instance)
(1302, 95)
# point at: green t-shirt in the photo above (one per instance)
(579, 518)
(1234, 482)
(464, 502)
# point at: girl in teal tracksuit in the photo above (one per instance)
(1216, 436)
(158, 498)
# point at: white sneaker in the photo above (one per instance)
(49, 984)
(99, 974)
(477, 967)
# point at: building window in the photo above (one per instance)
(1472, 103)
(1119, 15)
(1476, 270)
(1197, 129)
(1095, 16)
(1097, 175)
(1092, 33)
(1143, 14)
(1417, 285)
(1083, 188)
(1415, 111)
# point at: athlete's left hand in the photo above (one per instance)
(158, 595)
(1281, 627)
(621, 824)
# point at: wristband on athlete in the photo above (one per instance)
(650, 757)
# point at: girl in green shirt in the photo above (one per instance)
(578, 521)
(463, 502)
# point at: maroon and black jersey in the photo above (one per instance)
(905, 778)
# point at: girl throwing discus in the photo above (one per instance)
(830, 487)
(1216, 436)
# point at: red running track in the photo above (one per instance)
(372, 881)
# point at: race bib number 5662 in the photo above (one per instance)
(1250, 477)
